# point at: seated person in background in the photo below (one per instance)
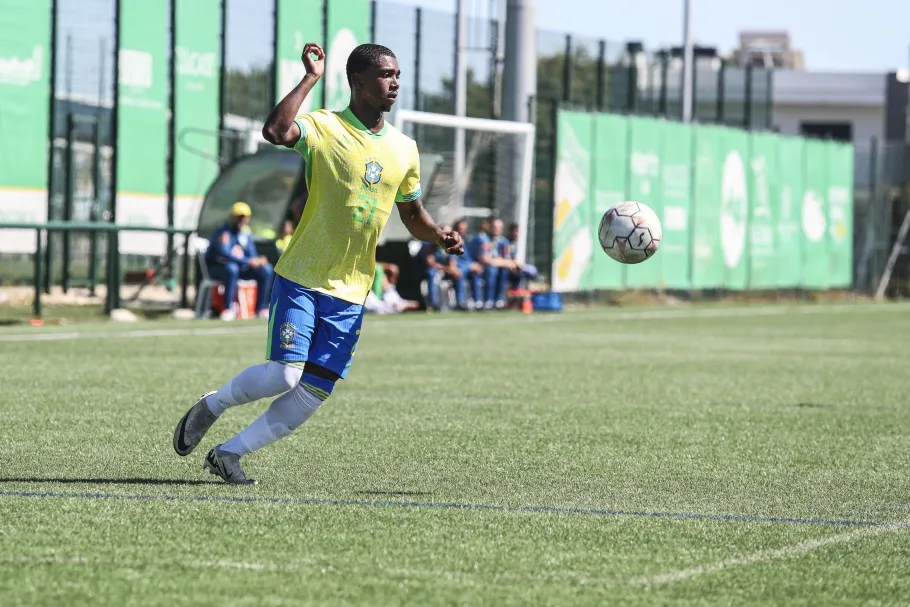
(467, 267)
(284, 239)
(232, 256)
(490, 249)
(521, 273)
(383, 297)
(439, 266)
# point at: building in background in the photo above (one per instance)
(768, 50)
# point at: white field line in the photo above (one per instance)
(468, 321)
(764, 556)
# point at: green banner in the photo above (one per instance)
(644, 186)
(764, 181)
(840, 214)
(24, 100)
(574, 242)
(610, 183)
(298, 22)
(734, 207)
(197, 81)
(739, 210)
(348, 27)
(789, 195)
(675, 252)
(707, 258)
(814, 211)
(142, 123)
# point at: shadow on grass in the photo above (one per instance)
(106, 481)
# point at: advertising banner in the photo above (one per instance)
(573, 240)
(348, 27)
(142, 124)
(24, 101)
(739, 210)
(197, 84)
(298, 22)
(645, 186)
(610, 183)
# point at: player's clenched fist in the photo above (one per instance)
(451, 242)
(313, 66)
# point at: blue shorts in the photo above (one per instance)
(306, 325)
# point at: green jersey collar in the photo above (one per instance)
(349, 116)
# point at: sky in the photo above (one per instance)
(837, 35)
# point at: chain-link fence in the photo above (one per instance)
(573, 71)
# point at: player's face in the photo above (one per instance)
(379, 83)
(496, 226)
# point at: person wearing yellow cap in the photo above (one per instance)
(232, 256)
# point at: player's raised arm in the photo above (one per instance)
(280, 128)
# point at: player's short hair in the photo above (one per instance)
(366, 56)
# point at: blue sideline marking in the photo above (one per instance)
(741, 518)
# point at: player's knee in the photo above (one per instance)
(283, 377)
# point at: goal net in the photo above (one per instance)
(471, 168)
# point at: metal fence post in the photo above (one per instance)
(567, 71)
(51, 132)
(222, 83)
(721, 86)
(96, 205)
(601, 74)
(747, 107)
(36, 304)
(170, 161)
(68, 194)
(418, 42)
(374, 9)
(662, 104)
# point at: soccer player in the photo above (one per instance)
(357, 168)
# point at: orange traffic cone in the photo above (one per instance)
(526, 305)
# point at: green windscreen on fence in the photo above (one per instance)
(24, 106)
(197, 82)
(142, 123)
(348, 27)
(297, 23)
(739, 210)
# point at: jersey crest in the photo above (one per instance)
(373, 173)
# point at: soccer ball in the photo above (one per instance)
(630, 232)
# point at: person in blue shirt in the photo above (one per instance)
(439, 265)
(521, 273)
(489, 248)
(232, 256)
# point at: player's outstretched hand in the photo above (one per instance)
(313, 66)
(451, 242)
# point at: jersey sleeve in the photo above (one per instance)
(409, 190)
(310, 133)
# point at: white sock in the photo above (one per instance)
(254, 383)
(287, 413)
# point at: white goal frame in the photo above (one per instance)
(526, 129)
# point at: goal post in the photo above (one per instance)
(498, 168)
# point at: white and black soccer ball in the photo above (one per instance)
(630, 232)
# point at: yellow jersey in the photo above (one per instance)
(354, 178)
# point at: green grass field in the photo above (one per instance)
(735, 455)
